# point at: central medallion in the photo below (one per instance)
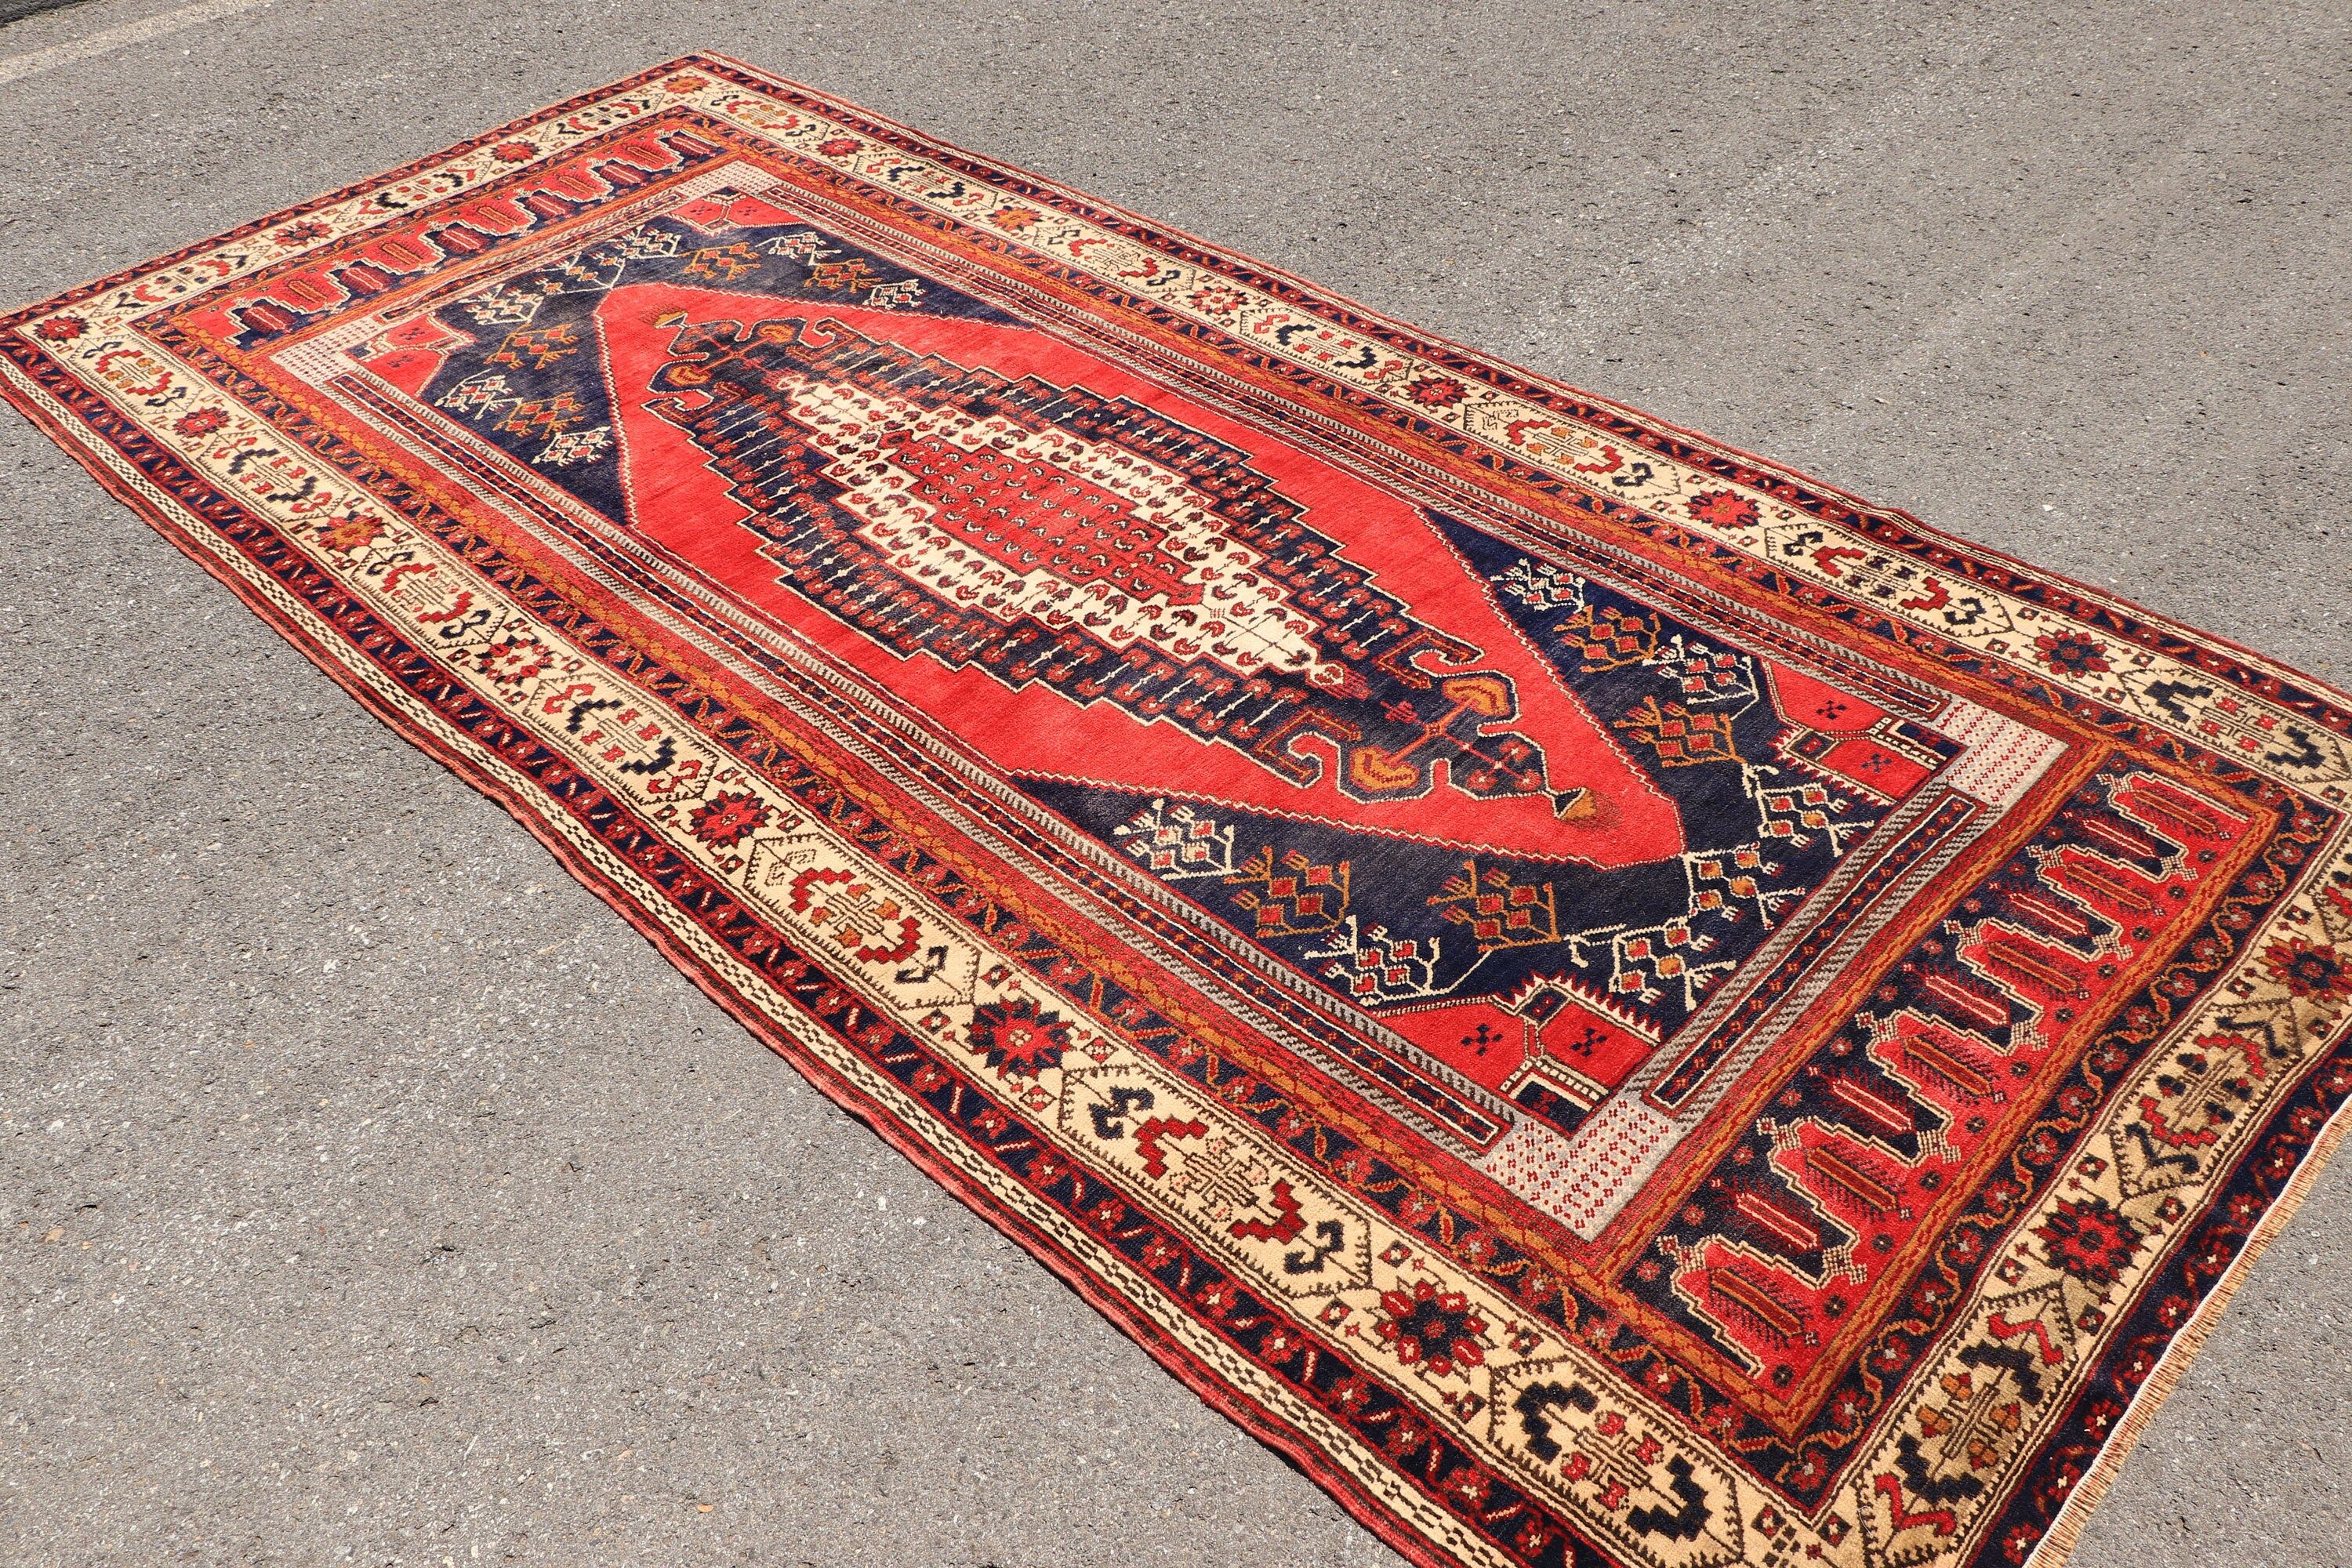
(1049, 535)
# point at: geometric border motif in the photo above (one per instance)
(2080, 1282)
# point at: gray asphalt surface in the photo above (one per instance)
(370, 1194)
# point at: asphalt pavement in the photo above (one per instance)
(370, 1194)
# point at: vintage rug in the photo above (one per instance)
(1618, 1004)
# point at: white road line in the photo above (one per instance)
(16, 67)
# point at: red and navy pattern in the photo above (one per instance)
(1953, 1136)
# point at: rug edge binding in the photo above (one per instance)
(2058, 1541)
(1236, 1404)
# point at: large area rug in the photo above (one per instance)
(1618, 1004)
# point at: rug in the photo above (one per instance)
(1615, 1003)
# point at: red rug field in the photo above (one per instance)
(1619, 1005)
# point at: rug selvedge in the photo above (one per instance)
(1428, 1371)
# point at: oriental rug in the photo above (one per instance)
(1617, 1003)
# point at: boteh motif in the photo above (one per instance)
(1619, 1005)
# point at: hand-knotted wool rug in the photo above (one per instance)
(1619, 1005)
